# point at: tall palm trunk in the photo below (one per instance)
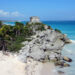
(3, 45)
(16, 33)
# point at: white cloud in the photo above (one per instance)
(4, 14)
(16, 14)
(10, 14)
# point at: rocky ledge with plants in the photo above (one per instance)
(36, 40)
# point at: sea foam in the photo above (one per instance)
(73, 41)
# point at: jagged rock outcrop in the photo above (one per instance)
(45, 44)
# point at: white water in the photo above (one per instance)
(69, 51)
(73, 41)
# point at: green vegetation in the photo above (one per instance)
(0, 24)
(49, 27)
(41, 27)
(11, 37)
(57, 30)
(37, 26)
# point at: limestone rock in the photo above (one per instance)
(67, 59)
(44, 44)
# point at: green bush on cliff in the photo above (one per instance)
(15, 47)
(57, 30)
(49, 27)
(41, 27)
(28, 31)
(0, 24)
(37, 23)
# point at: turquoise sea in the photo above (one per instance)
(67, 27)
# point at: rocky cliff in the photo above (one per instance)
(44, 45)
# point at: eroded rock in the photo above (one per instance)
(45, 44)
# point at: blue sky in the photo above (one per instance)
(45, 9)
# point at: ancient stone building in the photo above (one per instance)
(34, 19)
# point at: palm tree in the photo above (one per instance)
(0, 24)
(18, 28)
(4, 33)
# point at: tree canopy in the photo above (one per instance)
(12, 36)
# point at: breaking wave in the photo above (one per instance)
(73, 41)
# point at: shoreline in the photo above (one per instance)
(69, 52)
(49, 69)
(12, 66)
(48, 44)
(38, 68)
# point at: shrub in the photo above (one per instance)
(0, 24)
(28, 31)
(28, 24)
(49, 27)
(41, 27)
(15, 47)
(37, 23)
(57, 30)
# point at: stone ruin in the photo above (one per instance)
(34, 19)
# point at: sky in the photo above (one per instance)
(51, 10)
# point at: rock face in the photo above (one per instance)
(34, 19)
(45, 45)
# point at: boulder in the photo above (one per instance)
(61, 72)
(66, 65)
(61, 63)
(67, 59)
(36, 53)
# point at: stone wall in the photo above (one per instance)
(34, 19)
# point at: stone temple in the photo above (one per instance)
(34, 19)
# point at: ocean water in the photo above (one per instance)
(67, 27)
(12, 23)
